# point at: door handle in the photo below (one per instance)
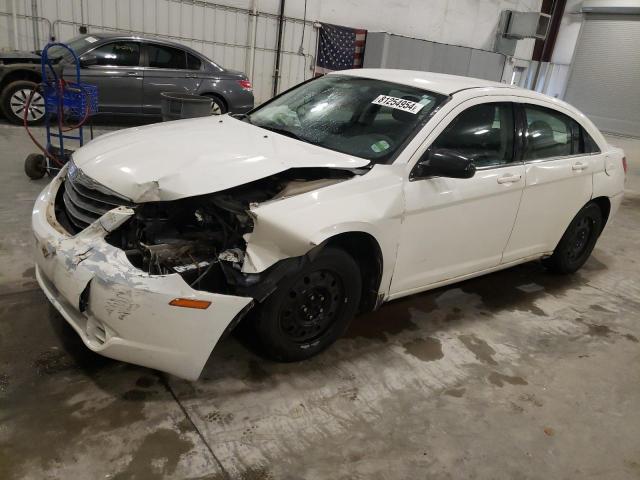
(131, 74)
(509, 178)
(579, 166)
(190, 75)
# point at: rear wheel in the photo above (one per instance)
(14, 102)
(578, 241)
(218, 107)
(312, 309)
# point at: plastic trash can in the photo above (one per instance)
(176, 106)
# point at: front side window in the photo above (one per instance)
(363, 117)
(118, 54)
(161, 56)
(483, 133)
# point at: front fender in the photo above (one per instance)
(291, 227)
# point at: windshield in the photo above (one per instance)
(77, 44)
(363, 117)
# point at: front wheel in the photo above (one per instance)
(578, 241)
(311, 309)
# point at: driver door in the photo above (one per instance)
(456, 227)
(117, 74)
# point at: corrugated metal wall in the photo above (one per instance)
(222, 33)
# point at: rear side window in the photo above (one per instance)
(118, 54)
(483, 132)
(549, 133)
(161, 56)
(587, 144)
(193, 62)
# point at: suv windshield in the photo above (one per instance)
(363, 117)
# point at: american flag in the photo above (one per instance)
(339, 48)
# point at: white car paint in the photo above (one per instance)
(430, 232)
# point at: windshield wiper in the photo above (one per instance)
(282, 131)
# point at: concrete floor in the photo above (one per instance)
(519, 374)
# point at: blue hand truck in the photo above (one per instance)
(63, 100)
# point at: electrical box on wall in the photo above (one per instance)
(514, 26)
(527, 25)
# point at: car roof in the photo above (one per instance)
(435, 82)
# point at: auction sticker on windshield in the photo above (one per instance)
(398, 103)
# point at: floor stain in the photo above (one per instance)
(481, 349)
(633, 338)
(145, 382)
(391, 319)
(219, 417)
(256, 372)
(599, 308)
(598, 330)
(500, 379)
(50, 362)
(157, 456)
(426, 349)
(29, 273)
(531, 398)
(455, 392)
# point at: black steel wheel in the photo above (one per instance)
(35, 166)
(311, 309)
(578, 241)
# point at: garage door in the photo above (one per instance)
(605, 77)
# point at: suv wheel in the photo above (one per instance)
(14, 101)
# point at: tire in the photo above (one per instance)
(35, 166)
(218, 107)
(578, 241)
(14, 96)
(311, 309)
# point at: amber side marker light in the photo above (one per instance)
(190, 303)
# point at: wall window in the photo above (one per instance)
(118, 54)
(483, 132)
(166, 57)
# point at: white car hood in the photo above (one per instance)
(173, 160)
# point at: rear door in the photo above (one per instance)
(167, 69)
(117, 74)
(560, 160)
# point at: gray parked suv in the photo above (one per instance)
(130, 72)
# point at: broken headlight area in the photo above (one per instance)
(201, 238)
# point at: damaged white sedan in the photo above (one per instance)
(342, 193)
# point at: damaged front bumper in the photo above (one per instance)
(120, 311)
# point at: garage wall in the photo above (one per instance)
(222, 30)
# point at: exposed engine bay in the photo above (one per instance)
(201, 238)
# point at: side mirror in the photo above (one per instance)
(444, 163)
(88, 60)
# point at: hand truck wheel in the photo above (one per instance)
(35, 166)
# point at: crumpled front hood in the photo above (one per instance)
(168, 161)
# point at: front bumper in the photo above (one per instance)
(118, 310)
